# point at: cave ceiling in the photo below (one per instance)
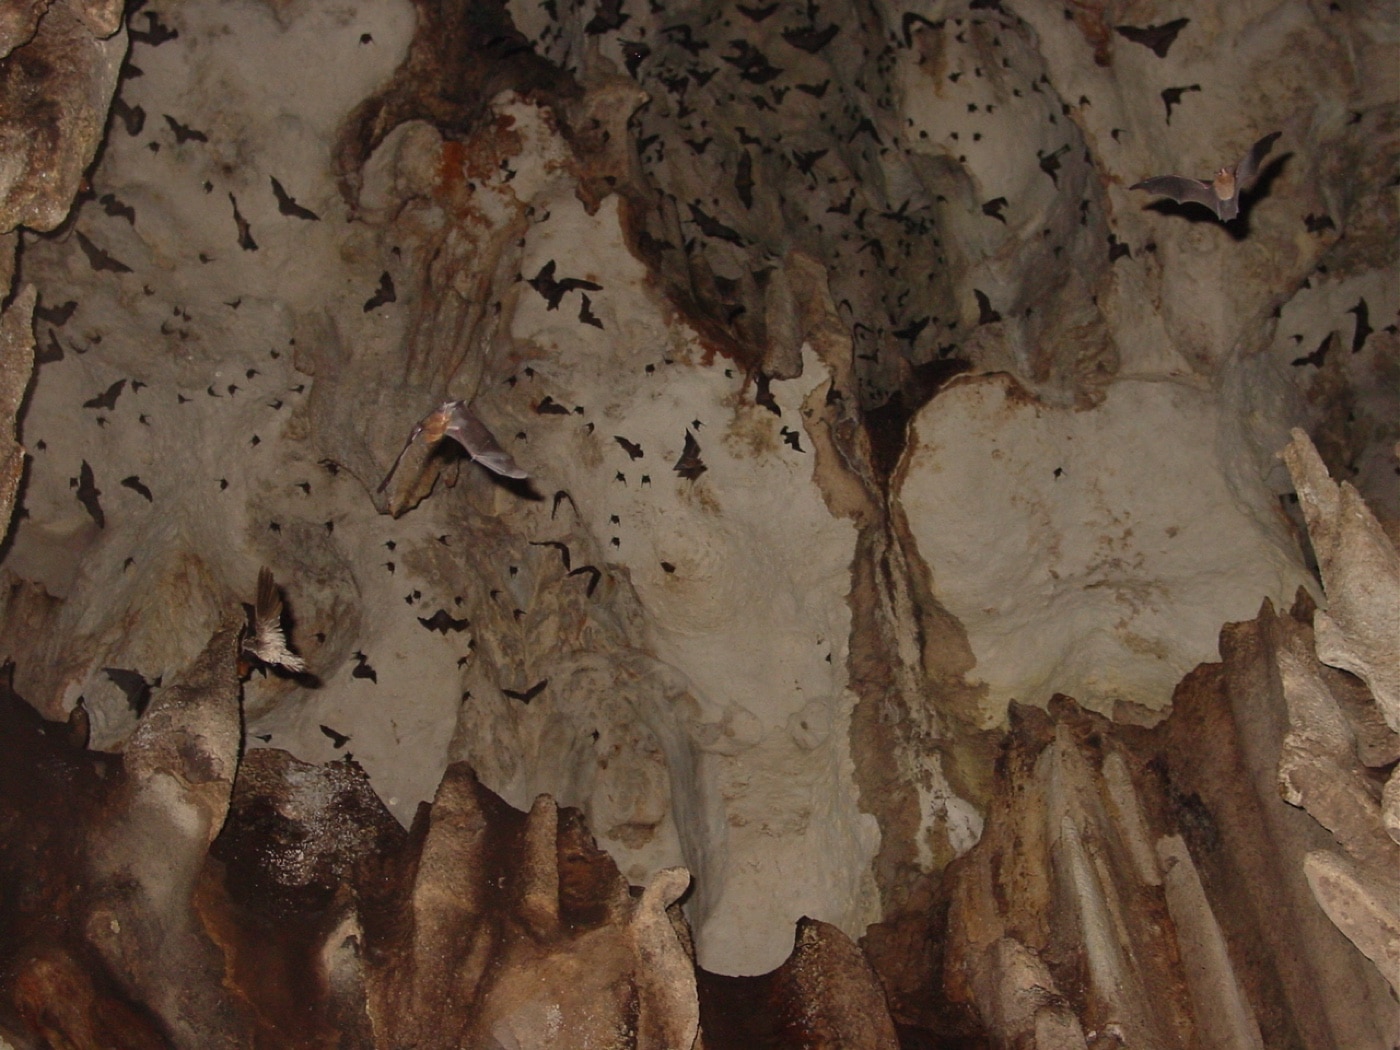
(676, 525)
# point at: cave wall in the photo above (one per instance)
(861, 402)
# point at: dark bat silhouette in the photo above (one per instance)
(586, 314)
(383, 294)
(135, 484)
(560, 497)
(985, 313)
(98, 259)
(549, 407)
(88, 493)
(265, 640)
(133, 117)
(455, 420)
(1172, 96)
(58, 316)
(362, 668)
(763, 393)
(562, 548)
(245, 231)
(684, 37)
(555, 290)
(1314, 223)
(993, 208)
(287, 204)
(910, 20)
(815, 90)
(116, 209)
(752, 64)
(155, 33)
(633, 450)
(593, 574)
(442, 621)
(1319, 355)
(712, 227)
(183, 132)
(690, 466)
(1157, 39)
(809, 38)
(529, 694)
(806, 160)
(134, 684)
(1363, 325)
(792, 437)
(338, 740)
(1222, 195)
(108, 398)
(1050, 163)
(757, 14)
(743, 179)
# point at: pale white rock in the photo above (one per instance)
(1359, 631)
(1092, 553)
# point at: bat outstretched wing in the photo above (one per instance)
(399, 458)
(471, 433)
(1248, 168)
(1181, 189)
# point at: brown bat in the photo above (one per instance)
(455, 420)
(1222, 195)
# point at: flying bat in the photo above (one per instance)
(455, 420)
(1222, 195)
(266, 642)
(287, 204)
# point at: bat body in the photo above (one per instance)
(453, 419)
(1222, 194)
(266, 642)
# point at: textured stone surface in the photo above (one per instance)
(780, 232)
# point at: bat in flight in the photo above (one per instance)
(265, 641)
(1222, 194)
(453, 419)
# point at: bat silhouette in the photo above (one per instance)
(155, 33)
(1156, 38)
(135, 484)
(633, 450)
(550, 407)
(363, 668)
(57, 316)
(134, 117)
(593, 573)
(266, 642)
(554, 290)
(1222, 195)
(455, 420)
(529, 694)
(1319, 355)
(88, 492)
(1363, 328)
(100, 260)
(690, 466)
(442, 621)
(113, 206)
(586, 314)
(338, 740)
(562, 548)
(809, 38)
(108, 398)
(183, 132)
(383, 294)
(287, 204)
(245, 230)
(134, 684)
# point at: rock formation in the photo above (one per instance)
(907, 632)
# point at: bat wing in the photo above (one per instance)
(1248, 169)
(1182, 190)
(481, 445)
(399, 458)
(268, 643)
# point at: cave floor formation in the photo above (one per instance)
(879, 579)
